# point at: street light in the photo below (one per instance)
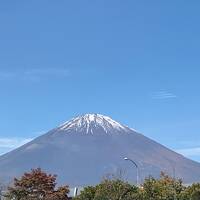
(137, 169)
(174, 179)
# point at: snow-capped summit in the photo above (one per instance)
(93, 123)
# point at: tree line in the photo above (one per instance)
(38, 185)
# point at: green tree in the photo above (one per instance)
(110, 190)
(87, 194)
(37, 185)
(195, 195)
(191, 193)
(165, 188)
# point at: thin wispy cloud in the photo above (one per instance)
(7, 75)
(9, 144)
(189, 148)
(34, 74)
(189, 151)
(47, 72)
(13, 142)
(163, 95)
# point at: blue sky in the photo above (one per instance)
(136, 61)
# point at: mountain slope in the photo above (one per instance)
(84, 149)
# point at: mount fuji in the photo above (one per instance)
(86, 148)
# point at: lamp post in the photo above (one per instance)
(174, 179)
(137, 169)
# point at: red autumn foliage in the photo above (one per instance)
(37, 185)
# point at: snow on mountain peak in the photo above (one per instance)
(91, 123)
